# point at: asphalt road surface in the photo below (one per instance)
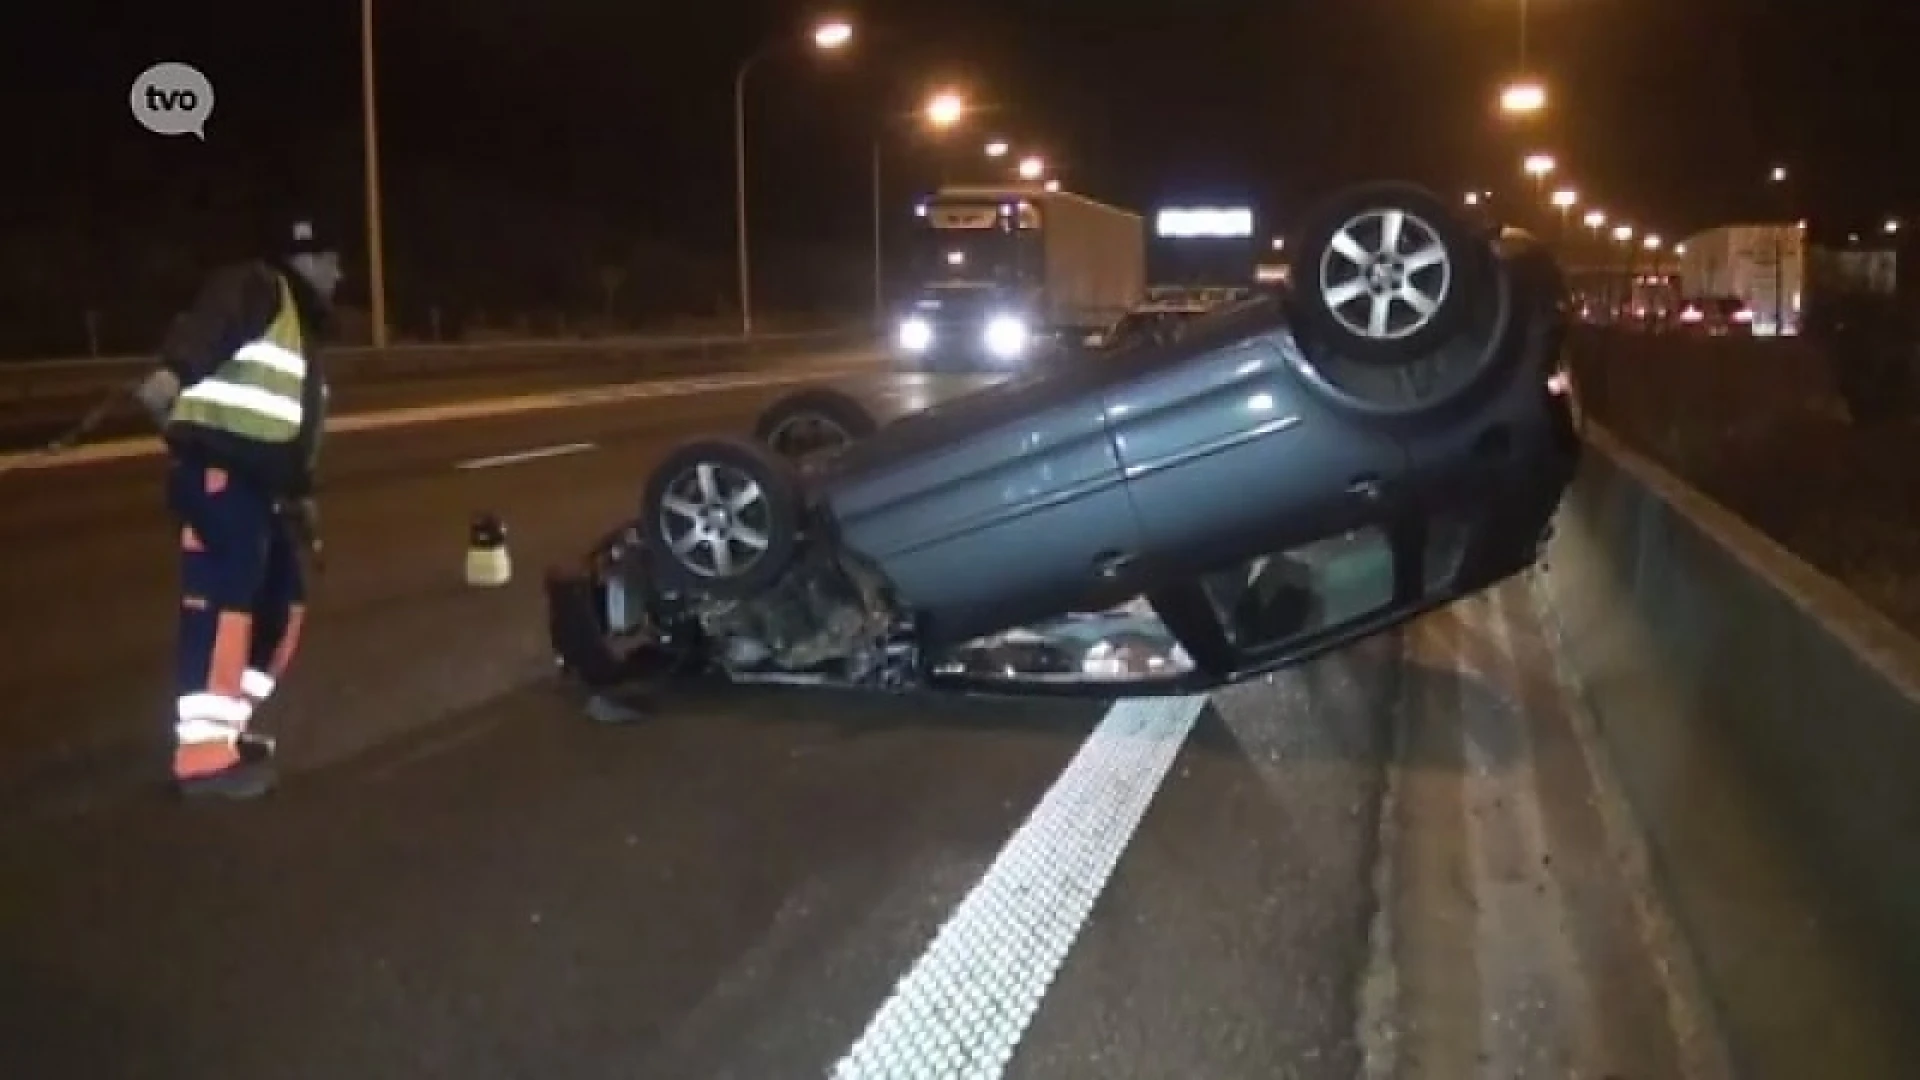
(1393, 862)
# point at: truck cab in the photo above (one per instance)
(1002, 277)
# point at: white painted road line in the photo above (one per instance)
(537, 454)
(962, 1008)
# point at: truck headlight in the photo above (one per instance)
(1006, 337)
(916, 334)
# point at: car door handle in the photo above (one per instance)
(1111, 564)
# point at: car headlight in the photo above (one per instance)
(916, 334)
(1006, 337)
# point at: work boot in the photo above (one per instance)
(254, 747)
(241, 780)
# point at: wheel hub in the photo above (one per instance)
(1386, 274)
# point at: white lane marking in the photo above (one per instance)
(962, 1008)
(536, 454)
(146, 446)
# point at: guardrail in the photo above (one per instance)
(1763, 726)
(42, 380)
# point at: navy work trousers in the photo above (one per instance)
(242, 601)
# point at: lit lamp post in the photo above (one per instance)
(1564, 201)
(998, 148)
(1539, 166)
(1778, 179)
(376, 257)
(943, 110)
(1032, 168)
(828, 36)
(1623, 235)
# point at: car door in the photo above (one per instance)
(1006, 506)
(1228, 455)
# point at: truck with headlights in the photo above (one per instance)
(1002, 277)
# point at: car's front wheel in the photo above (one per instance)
(724, 518)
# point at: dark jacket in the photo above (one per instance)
(235, 306)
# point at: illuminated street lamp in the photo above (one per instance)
(1564, 200)
(832, 34)
(1539, 166)
(1052, 185)
(1623, 233)
(1032, 168)
(998, 148)
(1892, 227)
(828, 36)
(1652, 242)
(1779, 174)
(1595, 219)
(1473, 198)
(1523, 97)
(945, 109)
(1679, 249)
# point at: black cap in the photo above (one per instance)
(301, 238)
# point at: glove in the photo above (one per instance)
(156, 394)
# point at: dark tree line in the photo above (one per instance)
(464, 257)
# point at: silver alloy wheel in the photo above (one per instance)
(709, 512)
(1407, 266)
(830, 435)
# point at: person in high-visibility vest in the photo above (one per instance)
(241, 401)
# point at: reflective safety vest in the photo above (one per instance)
(256, 393)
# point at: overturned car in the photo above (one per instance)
(1301, 469)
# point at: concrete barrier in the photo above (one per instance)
(1764, 728)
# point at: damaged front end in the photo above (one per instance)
(830, 621)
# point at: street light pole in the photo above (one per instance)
(376, 256)
(827, 36)
(740, 191)
(879, 291)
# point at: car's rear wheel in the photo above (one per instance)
(1400, 304)
(724, 517)
(814, 421)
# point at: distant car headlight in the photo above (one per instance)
(916, 335)
(1006, 337)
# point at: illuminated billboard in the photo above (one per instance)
(1203, 221)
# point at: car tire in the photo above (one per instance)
(839, 415)
(744, 502)
(1380, 298)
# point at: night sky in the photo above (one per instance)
(1668, 112)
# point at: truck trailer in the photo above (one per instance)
(1004, 275)
(1763, 266)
